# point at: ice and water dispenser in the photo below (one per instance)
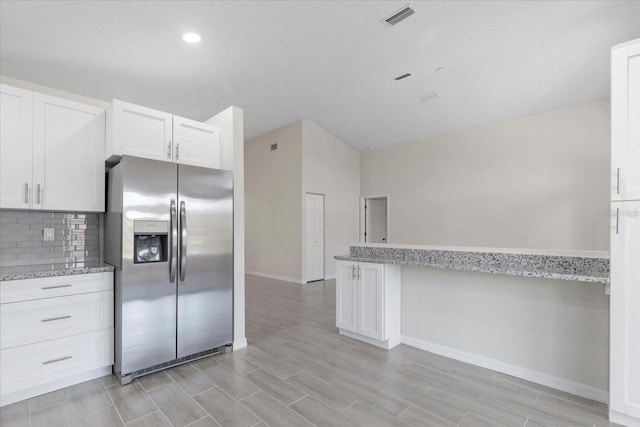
(150, 241)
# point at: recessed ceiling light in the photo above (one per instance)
(370, 147)
(191, 37)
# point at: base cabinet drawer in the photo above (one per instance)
(51, 287)
(29, 322)
(29, 365)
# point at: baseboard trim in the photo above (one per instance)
(37, 390)
(382, 344)
(558, 383)
(623, 419)
(273, 276)
(238, 344)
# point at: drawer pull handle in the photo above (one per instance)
(51, 319)
(60, 359)
(56, 287)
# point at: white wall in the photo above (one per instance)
(231, 121)
(53, 92)
(534, 182)
(273, 184)
(332, 168)
(555, 332)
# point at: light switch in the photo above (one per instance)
(49, 234)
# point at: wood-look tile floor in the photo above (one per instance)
(297, 371)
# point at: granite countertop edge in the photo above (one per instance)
(479, 269)
(54, 272)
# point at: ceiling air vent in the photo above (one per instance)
(400, 15)
(404, 76)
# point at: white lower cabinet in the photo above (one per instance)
(624, 390)
(54, 332)
(368, 300)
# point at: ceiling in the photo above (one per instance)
(333, 62)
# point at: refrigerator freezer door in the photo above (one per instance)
(205, 295)
(148, 298)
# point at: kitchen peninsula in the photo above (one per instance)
(540, 315)
(582, 266)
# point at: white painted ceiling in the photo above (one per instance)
(329, 61)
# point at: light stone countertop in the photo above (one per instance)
(582, 266)
(52, 270)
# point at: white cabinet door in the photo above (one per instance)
(15, 147)
(140, 131)
(371, 300)
(196, 143)
(625, 121)
(346, 296)
(68, 155)
(625, 315)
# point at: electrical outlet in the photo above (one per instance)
(49, 234)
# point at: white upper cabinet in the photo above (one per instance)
(196, 143)
(152, 134)
(15, 147)
(52, 153)
(68, 155)
(625, 121)
(139, 131)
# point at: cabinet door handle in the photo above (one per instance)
(60, 359)
(353, 272)
(618, 181)
(38, 194)
(56, 287)
(26, 192)
(617, 220)
(177, 152)
(51, 319)
(358, 272)
(169, 150)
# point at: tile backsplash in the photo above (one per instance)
(76, 238)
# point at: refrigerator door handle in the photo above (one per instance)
(173, 242)
(183, 241)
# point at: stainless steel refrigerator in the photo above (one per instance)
(169, 233)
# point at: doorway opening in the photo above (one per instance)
(374, 219)
(314, 237)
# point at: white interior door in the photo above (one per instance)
(315, 237)
(376, 220)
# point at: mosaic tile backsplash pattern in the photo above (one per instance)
(76, 238)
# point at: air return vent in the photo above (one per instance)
(404, 76)
(400, 15)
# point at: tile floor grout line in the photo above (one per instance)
(114, 405)
(201, 407)
(298, 400)
(462, 419)
(347, 407)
